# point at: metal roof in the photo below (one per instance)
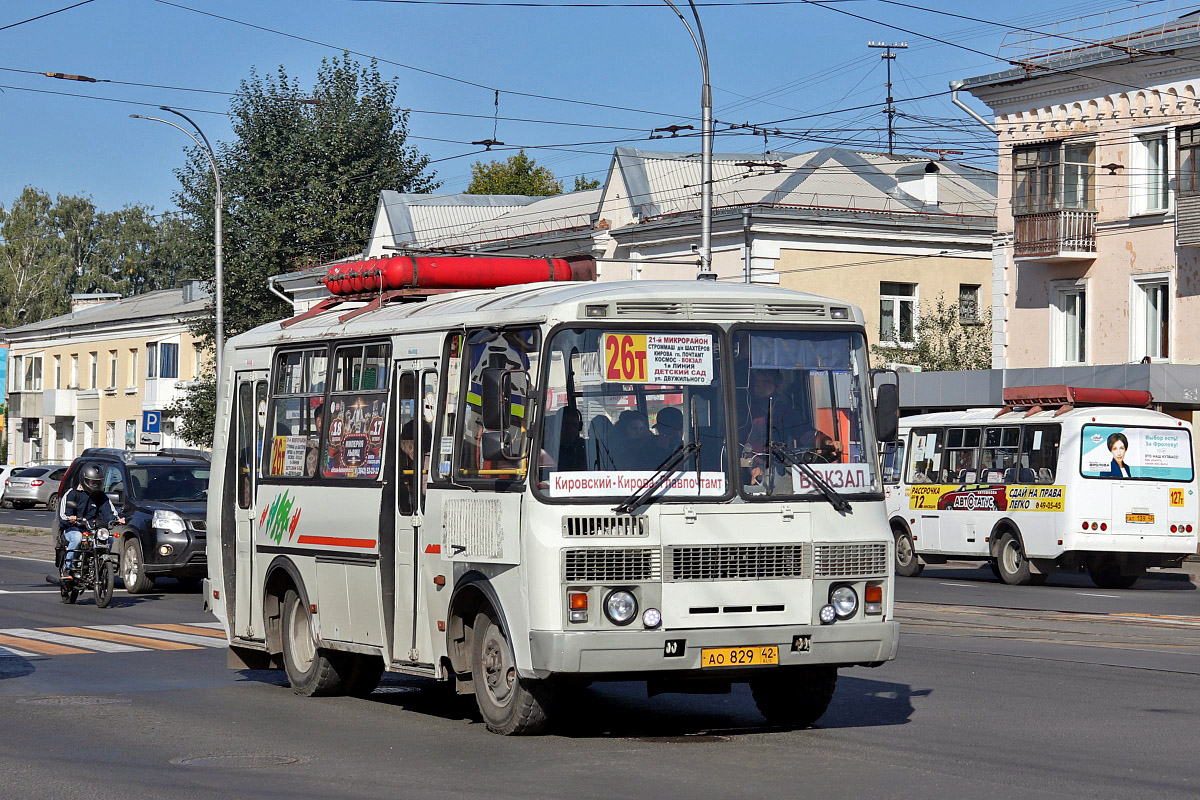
(162, 303)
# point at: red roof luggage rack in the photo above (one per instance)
(1038, 398)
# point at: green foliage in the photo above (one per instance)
(50, 249)
(517, 175)
(195, 411)
(301, 179)
(583, 184)
(943, 342)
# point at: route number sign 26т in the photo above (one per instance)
(658, 358)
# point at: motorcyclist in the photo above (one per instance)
(85, 503)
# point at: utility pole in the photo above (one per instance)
(889, 109)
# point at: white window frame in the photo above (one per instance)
(16, 366)
(1063, 299)
(133, 367)
(31, 374)
(112, 369)
(74, 371)
(58, 372)
(1140, 202)
(915, 299)
(1139, 346)
(94, 369)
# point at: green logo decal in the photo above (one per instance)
(279, 517)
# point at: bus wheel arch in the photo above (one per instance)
(472, 594)
(281, 576)
(907, 563)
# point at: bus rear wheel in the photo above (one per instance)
(311, 670)
(1011, 561)
(795, 697)
(907, 563)
(508, 703)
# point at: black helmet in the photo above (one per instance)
(91, 478)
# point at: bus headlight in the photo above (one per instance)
(844, 601)
(620, 607)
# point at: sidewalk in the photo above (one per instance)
(27, 542)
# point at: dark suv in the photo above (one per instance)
(162, 495)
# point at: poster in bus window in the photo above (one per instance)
(1111, 451)
(355, 443)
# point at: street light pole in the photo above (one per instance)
(219, 278)
(706, 143)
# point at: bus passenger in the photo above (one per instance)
(668, 427)
(634, 446)
(599, 443)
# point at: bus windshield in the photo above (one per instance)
(807, 393)
(620, 403)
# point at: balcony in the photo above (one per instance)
(1066, 235)
(59, 403)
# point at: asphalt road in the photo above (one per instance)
(27, 517)
(982, 702)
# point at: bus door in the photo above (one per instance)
(249, 418)
(416, 396)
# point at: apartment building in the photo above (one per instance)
(102, 375)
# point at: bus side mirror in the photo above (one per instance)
(494, 395)
(887, 412)
(495, 446)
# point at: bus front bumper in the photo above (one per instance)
(642, 651)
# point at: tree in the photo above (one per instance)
(517, 175)
(943, 342)
(301, 180)
(31, 261)
(583, 184)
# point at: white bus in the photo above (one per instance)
(1037, 486)
(527, 487)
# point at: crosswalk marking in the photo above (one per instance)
(170, 636)
(81, 640)
(72, 641)
(125, 638)
(41, 648)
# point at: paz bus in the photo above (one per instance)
(531, 487)
(1059, 478)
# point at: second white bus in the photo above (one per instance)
(1109, 490)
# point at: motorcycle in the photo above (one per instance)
(95, 567)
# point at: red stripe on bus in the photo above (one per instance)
(433, 548)
(336, 541)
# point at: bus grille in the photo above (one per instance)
(605, 525)
(737, 562)
(841, 560)
(612, 564)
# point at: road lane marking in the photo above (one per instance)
(12, 652)
(1094, 594)
(192, 629)
(171, 636)
(29, 591)
(968, 585)
(71, 641)
(41, 648)
(124, 638)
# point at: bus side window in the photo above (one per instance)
(514, 351)
(925, 455)
(1039, 453)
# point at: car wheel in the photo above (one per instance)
(795, 697)
(133, 568)
(907, 563)
(1011, 562)
(311, 670)
(52, 502)
(508, 703)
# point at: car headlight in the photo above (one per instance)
(168, 521)
(844, 601)
(620, 607)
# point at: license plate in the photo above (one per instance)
(1141, 519)
(739, 656)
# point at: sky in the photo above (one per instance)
(575, 78)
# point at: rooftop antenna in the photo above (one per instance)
(890, 108)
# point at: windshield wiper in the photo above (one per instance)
(838, 502)
(661, 475)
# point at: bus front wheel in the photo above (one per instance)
(796, 697)
(907, 563)
(1011, 561)
(508, 703)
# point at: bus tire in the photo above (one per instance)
(311, 670)
(1011, 561)
(1106, 573)
(364, 675)
(508, 703)
(907, 563)
(795, 697)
